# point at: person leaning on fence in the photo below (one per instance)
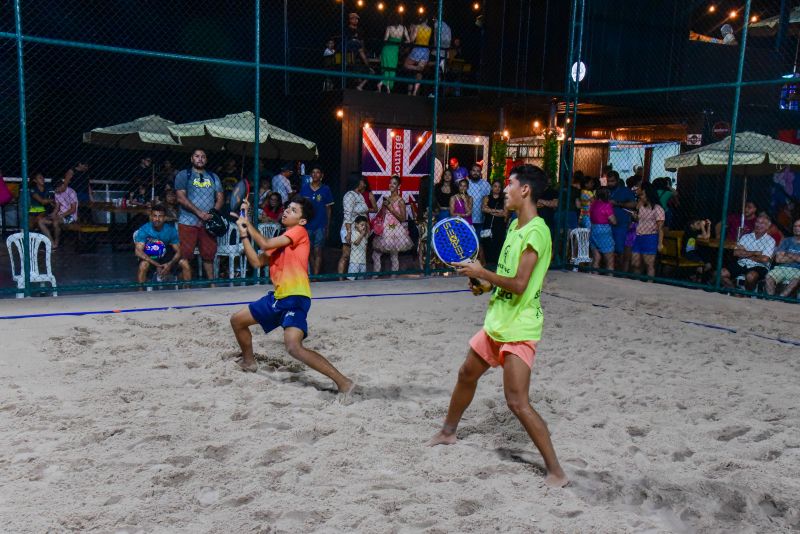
(157, 246)
(753, 253)
(787, 265)
(65, 212)
(199, 191)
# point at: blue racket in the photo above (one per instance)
(455, 240)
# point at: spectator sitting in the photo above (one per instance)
(171, 207)
(139, 196)
(417, 59)
(754, 252)
(41, 202)
(359, 236)
(281, 183)
(736, 226)
(272, 210)
(787, 264)
(65, 212)
(601, 215)
(157, 246)
(697, 229)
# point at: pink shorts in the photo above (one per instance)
(494, 352)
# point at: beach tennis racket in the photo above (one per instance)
(455, 240)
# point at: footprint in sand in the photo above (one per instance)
(730, 432)
(217, 452)
(467, 507)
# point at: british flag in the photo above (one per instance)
(389, 151)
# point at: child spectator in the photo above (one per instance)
(359, 235)
(697, 229)
(601, 216)
(584, 202)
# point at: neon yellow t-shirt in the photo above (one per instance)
(513, 317)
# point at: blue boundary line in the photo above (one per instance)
(215, 305)
(371, 295)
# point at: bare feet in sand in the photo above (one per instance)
(443, 438)
(553, 480)
(247, 366)
(346, 390)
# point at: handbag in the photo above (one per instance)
(486, 233)
(377, 224)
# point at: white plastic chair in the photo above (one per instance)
(15, 241)
(230, 246)
(268, 230)
(579, 245)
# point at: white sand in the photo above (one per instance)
(139, 422)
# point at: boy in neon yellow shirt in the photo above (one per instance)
(513, 321)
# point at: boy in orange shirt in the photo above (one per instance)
(287, 257)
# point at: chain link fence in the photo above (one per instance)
(106, 105)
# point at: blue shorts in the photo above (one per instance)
(287, 312)
(646, 244)
(602, 239)
(420, 54)
(317, 237)
(620, 232)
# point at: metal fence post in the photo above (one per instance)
(433, 138)
(23, 146)
(257, 111)
(732, 149)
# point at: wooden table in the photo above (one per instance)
(116, 227)
(714, 243)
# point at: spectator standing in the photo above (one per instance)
(354, 205)
(461, 202)
(157, 245)
(390, 54)
(359, 236)
(495, 215)
(417, 59)
(395, 238)
(281, 183)
(65, 212)
(199, 191)
(649, 231)
(459, 172)
(623, 200)
(329, 63)
(584, 201)
(478, 189)
(229, 175)
(322, 199)
(355, 45)
(787, 264)
(753, 253)
(443, 192)
(444, 45)
(601, 215)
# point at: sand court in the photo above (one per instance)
(128, 422)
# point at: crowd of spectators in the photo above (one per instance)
(407, 49)
(628, 223)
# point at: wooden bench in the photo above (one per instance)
(87, 235)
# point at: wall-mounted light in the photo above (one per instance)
(380, 6)
(536, 125)
(339, 113)
(754, 18)
(401, 8)
(712, 8)
(419, 139)
(366, 125)
(733, 14)
(476, 6)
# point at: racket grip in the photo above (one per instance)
(477, 289)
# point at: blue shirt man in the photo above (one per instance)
(623, 199)
(321, 197)
(478, 189)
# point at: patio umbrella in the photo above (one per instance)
(769, 26)
(754, 154)
(236, 134)
(145, 133)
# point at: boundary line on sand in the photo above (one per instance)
(711, 326)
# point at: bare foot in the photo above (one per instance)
(247, 366)
(442, 438)
(553, 480)
(345, 393)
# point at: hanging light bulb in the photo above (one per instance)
(380, 6)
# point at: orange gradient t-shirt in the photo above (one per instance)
(288, 266)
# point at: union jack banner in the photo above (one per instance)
(388, 151)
